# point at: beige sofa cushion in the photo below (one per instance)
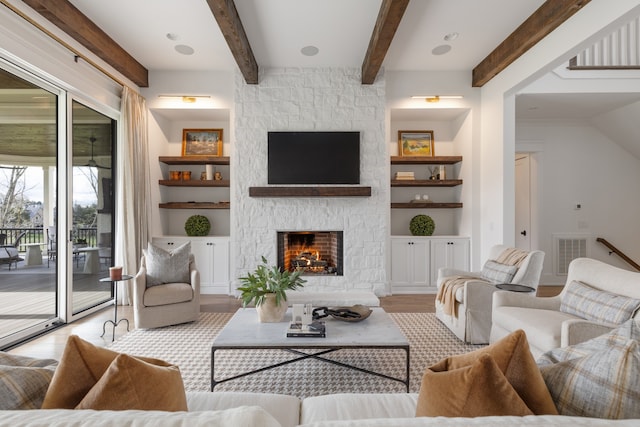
(169, 293)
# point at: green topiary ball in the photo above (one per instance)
(197, 225)
(422, 225)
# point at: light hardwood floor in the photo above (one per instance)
(52, 344)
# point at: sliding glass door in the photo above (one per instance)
(93, 139)
(56, 205)
(29, 129)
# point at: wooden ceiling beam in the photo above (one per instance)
(547, 18)
(230, 24)
(73, 22)
(389, 17)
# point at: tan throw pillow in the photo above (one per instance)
(513, 356)
(81, 366)
(131, 383)
(477, 390)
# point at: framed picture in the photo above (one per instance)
(415, 143)
(201, 142)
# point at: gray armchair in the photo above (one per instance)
(473, 299)
(168, 303)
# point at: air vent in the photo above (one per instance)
(567, 248)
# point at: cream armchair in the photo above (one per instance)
(165, 304)
(549, 323)
(473, 300)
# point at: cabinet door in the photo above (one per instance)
(221, 264)
(401, 274)
(420, 262)
(409, 265)
(202, 251)
(451, 253)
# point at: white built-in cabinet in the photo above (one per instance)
(409, 264)
(451, 252)
(211, 254)
(415, 261)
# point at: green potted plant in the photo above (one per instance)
(197, 225)
(422, 225)
(266, 288)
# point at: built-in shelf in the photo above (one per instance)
(204, 160)
(425, 182)
(310, 191)
(194, 183)
(194, 205)
(425, 160)
(426, 205)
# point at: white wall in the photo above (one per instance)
(321, 100)
(580, 165)
(498, 116)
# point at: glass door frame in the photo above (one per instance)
(66, 300)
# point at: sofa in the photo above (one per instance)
(272, 410)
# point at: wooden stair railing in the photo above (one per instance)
(618, 252)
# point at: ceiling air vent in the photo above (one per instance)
(567, 248)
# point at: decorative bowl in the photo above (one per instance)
(360, 309)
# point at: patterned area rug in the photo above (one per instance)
(189, 347)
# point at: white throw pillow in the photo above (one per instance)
(167, 267)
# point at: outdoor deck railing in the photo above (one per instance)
(38, 235)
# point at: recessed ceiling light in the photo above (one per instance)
(173, 36)
(184, 49)
(451, 36)
(441, 50)
(309, 50)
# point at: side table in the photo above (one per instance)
(514, 287)
(115, 320)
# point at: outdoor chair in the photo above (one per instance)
(9, 254)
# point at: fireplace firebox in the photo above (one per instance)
(312, 252)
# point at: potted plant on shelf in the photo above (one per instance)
(266, 288)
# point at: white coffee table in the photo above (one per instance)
(245, 332)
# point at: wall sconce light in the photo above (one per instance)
(188, 99)
(436, 98)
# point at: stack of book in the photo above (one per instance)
(405, 175)
(314, 330)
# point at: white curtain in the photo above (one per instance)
(133, 190)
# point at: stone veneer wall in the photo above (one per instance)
(294, 99)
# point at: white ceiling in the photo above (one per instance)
(278, 29)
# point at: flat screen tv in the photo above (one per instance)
(314, 158)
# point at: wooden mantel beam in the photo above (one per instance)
(229, 22)
(65, 16)
(389, 17)
(547, 18)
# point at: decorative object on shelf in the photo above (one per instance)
(422, 225)
(186, 175)
(175, 175)
(442, 172)
(203, 176)
(217, 176)
(197, 225)
(266, 288)
(209, 171)
(433, 173)
(416, 143)
(407, 175)
(201, 142)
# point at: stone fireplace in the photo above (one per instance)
(313, 252)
